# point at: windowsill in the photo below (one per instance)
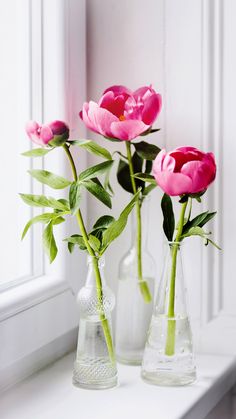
(30, 293)
(49, 394)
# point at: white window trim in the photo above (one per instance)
(48, 297)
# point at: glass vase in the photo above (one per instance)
(95, 365)
(168, 357)
(133, 313)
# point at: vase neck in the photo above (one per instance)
(144, 224)
(91, 280)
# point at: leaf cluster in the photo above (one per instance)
(142, 158)
(192, 227)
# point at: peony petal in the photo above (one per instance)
(201, 174)
(141, 91)
(46, 134)
(113, 104)
(84, 116)
(152, 108)
(173, 184)
(32, 129)
(119, 90)
(128, 130)
(101, 119)
(158, 162)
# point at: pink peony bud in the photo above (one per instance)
(43, 134)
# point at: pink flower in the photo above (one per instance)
(121, 113)
(185, 170)
(42, 134)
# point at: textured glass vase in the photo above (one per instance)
(133, 314)
(95, 365)
(168, 357)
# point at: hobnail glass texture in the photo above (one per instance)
(93, 367)
(158, 366)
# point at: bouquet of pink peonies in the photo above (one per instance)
(122, 115)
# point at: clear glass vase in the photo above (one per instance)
(95, 365)
(133, 313)
(168, 357)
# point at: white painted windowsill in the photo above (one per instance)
(49, 394)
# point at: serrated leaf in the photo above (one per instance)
(146, 151)
(49, 242)
(116, 228)
(123, 173)
(98, 191)
(103, 222)
(168, 217)
(37, 152)
(43, 201)
(50, 179)
(146, 178)
(74, 197)
(42, 218)
(96, 170)
(93, 148)
(94, 242)
(76, 239)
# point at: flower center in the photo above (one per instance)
(122, 117)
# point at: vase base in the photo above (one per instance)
(96, 385)
(94, 374)
(168, 379)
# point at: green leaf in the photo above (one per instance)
(93, 148)
(49, 242)
(43, 201)
(74, 197)
(149, 189)
(42, 218)
(50, 179)
(123, 173)
(148, 167)
(115, 229)
(146, 178)
(103, 222)
(146, 151)
(94, 242)
(198, 231)
(96, 170)
(98, 191)
(76, 239)
(213, 243)
(168, 217)
(37, 152)
(200, 220)
(150, 131)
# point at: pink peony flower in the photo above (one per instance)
(121, 113)
(42, 134)
(185, 170)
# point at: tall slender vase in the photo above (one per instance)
(133, 314)
(95, 365)
(168, 357)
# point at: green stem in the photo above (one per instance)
(143, 285)
(105, 323)
(170, 339)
